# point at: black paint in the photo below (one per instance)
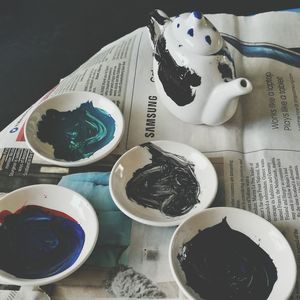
(243, 83)
(221, 264)
(168, 183)
(224, 52)
(176, 80)
(225, 71)
(155, 17)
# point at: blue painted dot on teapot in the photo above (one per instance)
(195, 33)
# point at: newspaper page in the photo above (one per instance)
(256, 153)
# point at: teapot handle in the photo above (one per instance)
(157, 21)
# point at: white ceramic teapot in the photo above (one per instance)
(193, 70)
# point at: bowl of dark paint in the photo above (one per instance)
(161, 183)
(230, 253)
(46, 233)
(74, 129)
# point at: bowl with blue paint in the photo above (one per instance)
(74, 129)
(230, 253)
(46, 233)
(161, 183)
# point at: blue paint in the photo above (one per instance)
(285, 55)
(197, 14)
(178, 25)
(191, 32)
(208, 39)
(37, 242)
(76, 134)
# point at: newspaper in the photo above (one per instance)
(256, 153)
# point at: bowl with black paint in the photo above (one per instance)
(161, 183)
(46, 233)
(230, 253)
(74, 129)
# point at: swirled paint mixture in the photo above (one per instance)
(76, 134)
(38, 242)
(168, 183)
(222, 263)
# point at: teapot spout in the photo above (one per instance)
(223, 101)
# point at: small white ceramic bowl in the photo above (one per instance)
(60, 199)
(260, 231)
(58, 132)
(138, 157)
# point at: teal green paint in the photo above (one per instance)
(76, 134)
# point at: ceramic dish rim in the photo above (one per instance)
(212, 210)
(170, 223)
(76, 265)
(84, 161)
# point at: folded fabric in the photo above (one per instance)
(114, 226)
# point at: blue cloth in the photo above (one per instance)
(114, 226)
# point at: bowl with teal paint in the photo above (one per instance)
(74, 129)
(46, 233)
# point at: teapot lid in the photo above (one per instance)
(195, 33)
